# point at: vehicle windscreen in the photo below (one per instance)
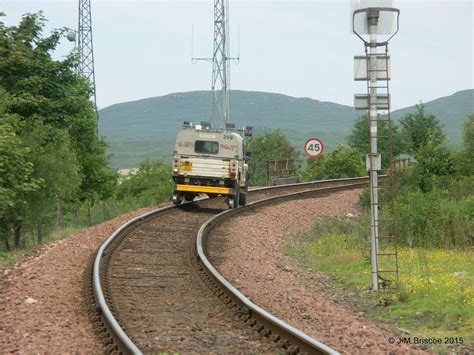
(206, 147)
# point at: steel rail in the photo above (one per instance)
(312, 183)
(295, 336)
(124, 343)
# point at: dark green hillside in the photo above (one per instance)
(451, 111)
(146, 128)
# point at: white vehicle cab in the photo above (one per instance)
(209, 161)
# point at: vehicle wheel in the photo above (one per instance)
(189, 197)
(177, 199)
(243, 199)
(232, 202)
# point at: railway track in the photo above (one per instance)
(154, 290)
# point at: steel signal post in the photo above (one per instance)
(375, 67)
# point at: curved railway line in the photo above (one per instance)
(154, 290)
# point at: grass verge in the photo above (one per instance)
(435, 298)
(7, 257)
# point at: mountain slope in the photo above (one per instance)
(147, 128)
(451, 111)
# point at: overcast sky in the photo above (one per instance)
(299, 48)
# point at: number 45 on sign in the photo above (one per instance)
(313, 147)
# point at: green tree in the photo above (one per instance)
(49, 90)
(16, 180)
(419, 129)
(359, 138)
(468, 135)
(55, 163)
(269, 146)
(467, 154)
(150, 184)
(433, 161)
(50, 110)
(342, 162)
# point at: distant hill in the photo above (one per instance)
(451, 111)
(147, 128)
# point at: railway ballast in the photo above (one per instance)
(148, 285)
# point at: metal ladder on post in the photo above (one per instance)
(386, 240)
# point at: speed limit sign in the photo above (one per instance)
(313, 147)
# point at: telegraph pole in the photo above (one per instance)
(86, 49)
(220, 84)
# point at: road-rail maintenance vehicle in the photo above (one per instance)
(210, 161)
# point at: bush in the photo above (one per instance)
(151, 184)
(342, 162)
(435, 219)
(442, 217)
(433, 160)
(269, 146)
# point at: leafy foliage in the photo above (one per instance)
(342, 162)
(438, 218)
(433, 160)
(360, 138)
(16, 173)
(46, 104)
(467, 155)
(269, 146)
(468, 135)
(419, 129)
(434, 197)
(152, 183)
(55, 163)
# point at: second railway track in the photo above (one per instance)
(156, 295)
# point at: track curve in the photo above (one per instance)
(148, 284)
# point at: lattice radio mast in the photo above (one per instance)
(220, 63)
(86, 48)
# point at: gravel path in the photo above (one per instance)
(41, 300)
(253, 260)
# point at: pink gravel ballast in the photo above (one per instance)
(41, 300)
(253, 261)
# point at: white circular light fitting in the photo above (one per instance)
(71, 36)
(384, 18)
